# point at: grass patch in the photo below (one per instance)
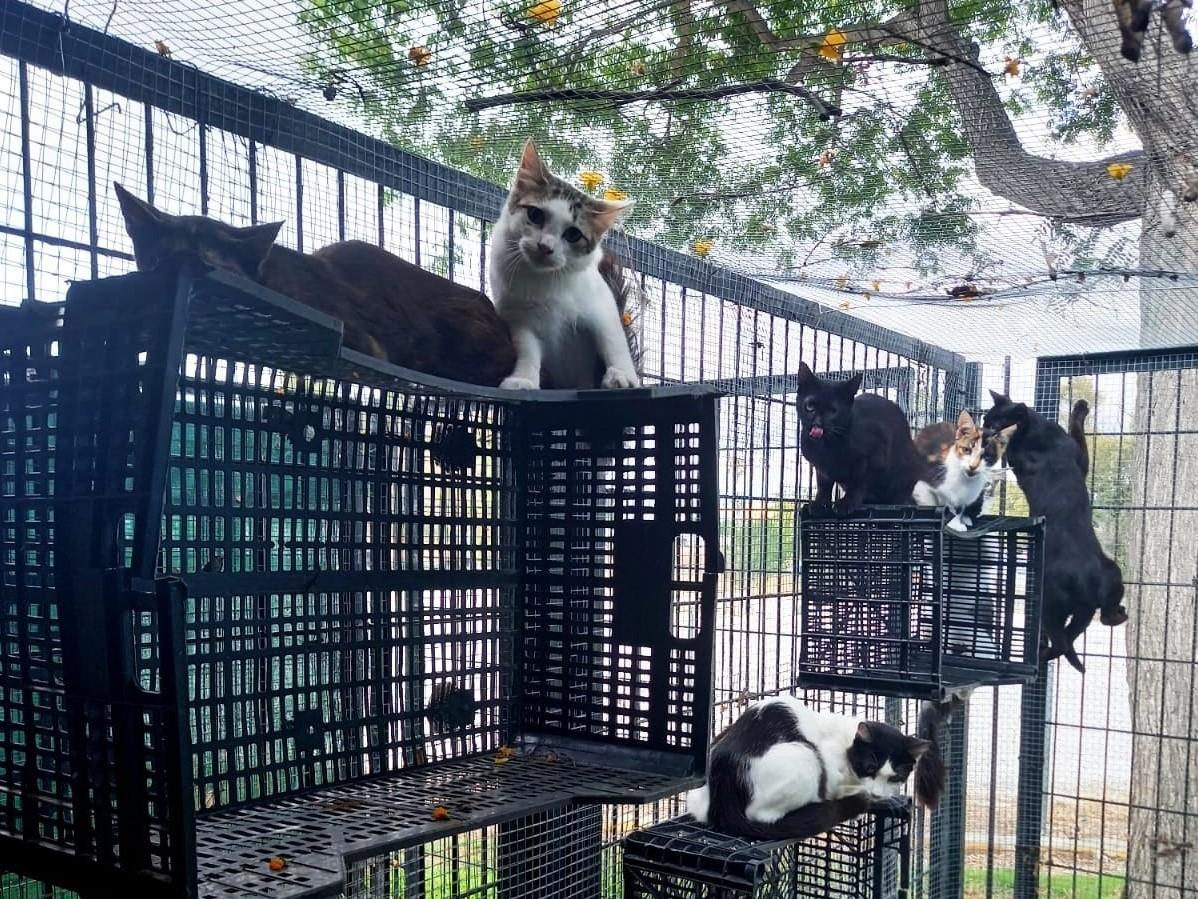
(1063, 886)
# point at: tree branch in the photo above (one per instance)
(823, 108)
(863, 33)
(1076, 192)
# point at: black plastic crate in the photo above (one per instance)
(271, 587)
(895, 603)
(867, 857)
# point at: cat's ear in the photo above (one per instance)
(606, 214)
(850, 387)
(807, 377)
(864, 732)
(532, 171)
(254, 243)
(918, 747)
(1007, 433)
(140, 217)
(965, 421)
(1000, 399)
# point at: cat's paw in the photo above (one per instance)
(843, 508)
(516, 383)
(816, 510)
(619, 379)
(958, 524)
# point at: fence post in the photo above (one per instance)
(1033, 725)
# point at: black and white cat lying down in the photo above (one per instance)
(785, 771)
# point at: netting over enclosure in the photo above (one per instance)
(947, 196)
(996, 160)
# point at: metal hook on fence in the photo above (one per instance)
(79, 119)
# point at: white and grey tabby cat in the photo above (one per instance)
(784, 770)
(553, 284)
(963, 461)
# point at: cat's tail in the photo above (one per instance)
(931, 774)
(816, 818)
(628, 300)
(1077, 430)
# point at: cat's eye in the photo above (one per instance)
(809, 405)
(536, 215)
(571, 235)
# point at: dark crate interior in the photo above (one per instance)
(867, 857)
(895, 603)
(314, 595)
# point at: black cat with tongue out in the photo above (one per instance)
(863, 443)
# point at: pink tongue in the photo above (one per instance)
(817, 432)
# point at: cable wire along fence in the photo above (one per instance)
(282, 619)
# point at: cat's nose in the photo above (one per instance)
(545, 246)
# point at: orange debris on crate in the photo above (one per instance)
(440, 813)
(277, 864)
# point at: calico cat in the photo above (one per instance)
(962, 462)
(783, 771)
(863, 443)
(1079, 578)
(392, 310)
(556, 287)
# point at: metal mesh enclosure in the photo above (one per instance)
(194, 143)
(895, 603)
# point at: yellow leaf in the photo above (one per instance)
(627, 319)
(163, 49)
(1119, 170)
(590, 180)
(546, 12)
(844, 305)
(832, 46)
(638, 69)
(505, 752)
(420, 55)
(614, 195)
(866, 294)
(826, 157)
(877, 286)
(703, 247)
(841, 281)
(1012, 67)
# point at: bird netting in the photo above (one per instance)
(998, 173)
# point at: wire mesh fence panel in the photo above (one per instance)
(296, 650)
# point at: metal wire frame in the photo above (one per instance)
(191, 142)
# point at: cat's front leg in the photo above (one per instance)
(612, 344)
(527, 373)
(822, 504)
(851, 502)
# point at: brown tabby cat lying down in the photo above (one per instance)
(392, 310)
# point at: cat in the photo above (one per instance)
(783, 770)
(863, 443)
(391, 309)
(1050, 466)
(962, 461)
(556, 287)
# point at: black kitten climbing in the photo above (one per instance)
(1079, 578)
(863, 443)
